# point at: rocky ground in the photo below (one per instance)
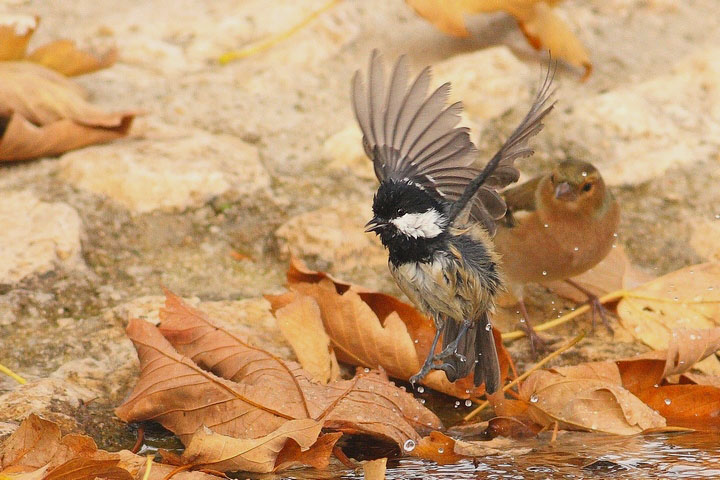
(233, 167)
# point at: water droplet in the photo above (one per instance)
(710, 289)
(488, 327)
(546, 225)
(422, 401)
(668, 401)
(577, 249)
(717, 216)
(421, 389)
(366, 370)
(467, 390)
(584, 174)
(615, 235)
(468, 403)
(457, 403)
(441, 450)
(534, 398)
(409, 445)
(544, 273)
(416, 340)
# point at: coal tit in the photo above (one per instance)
(435, 212)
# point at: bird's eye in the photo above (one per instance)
(587, 187)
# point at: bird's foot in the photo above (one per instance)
(598, 309)
(537, 343)
(448, 368)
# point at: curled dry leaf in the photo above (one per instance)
(686, 299)
(613, 273)
(208, 449)
(540, 25)
(251, 393)
(301, 325)
(372, 329)
(587, 398)
(38, 448)
(44, 113)
(444, 450)
(61, 55)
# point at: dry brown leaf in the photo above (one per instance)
(538, 22)
(264, 392)
(375, 469)
(61, 55)
(587, 398)
(700, 379)
(686, 299)
(443, 450)
(46, 114)
(691, 406)
(613, 273)
(64, 57)
(208, 449)
(317, 456)
(137, 466)
(15, 34)
(437, 447)
(372, 329)
(496, 446)
(37, 447)
(301, 325)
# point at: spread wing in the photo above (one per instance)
(410, 134)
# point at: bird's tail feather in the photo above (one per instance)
(478, 345)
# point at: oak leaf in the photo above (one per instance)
(540, 25)
(373, 329)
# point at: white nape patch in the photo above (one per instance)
(416, 225)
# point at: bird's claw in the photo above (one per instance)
(537, 343)
(598, 309)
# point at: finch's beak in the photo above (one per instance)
(374, 225)
(564, 192)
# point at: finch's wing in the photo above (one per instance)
(522, 197)
(409, 134)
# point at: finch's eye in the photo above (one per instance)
(587, 187)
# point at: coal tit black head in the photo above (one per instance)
(407, 216)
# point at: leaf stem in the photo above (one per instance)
(13, 375)
(522, 377)
(273, 40)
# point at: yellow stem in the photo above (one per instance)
(148, 467)
(12, 375)
(273, 40)
(522, 377)
(612, 296)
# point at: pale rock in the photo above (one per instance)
(41, 396)
(345, 152)
(169, 173)
(638, 132)
(335, 235)
(489, 82)
(36, 236)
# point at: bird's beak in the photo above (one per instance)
(564, 191)
(374, 225)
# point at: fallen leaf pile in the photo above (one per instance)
(366, 328)
(42, 113)
(236, 407)
(38, 450)
(540, 25)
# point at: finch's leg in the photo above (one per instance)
(536, 341)
(594, 301)
(452, 347)
(428, 364)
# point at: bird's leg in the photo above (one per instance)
(428, 364)
(452, 347)
(536, 341)
(594, 301)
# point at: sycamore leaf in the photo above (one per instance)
(372, 329)
(38, 447)
(15, 34)
(46, 114)
(256, 393)
(301, 325)
(613, 273)
(588, 398)
(686, 299)
(540, 25)
(207, 449)
(61, 55)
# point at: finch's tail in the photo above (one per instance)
(476, 351)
